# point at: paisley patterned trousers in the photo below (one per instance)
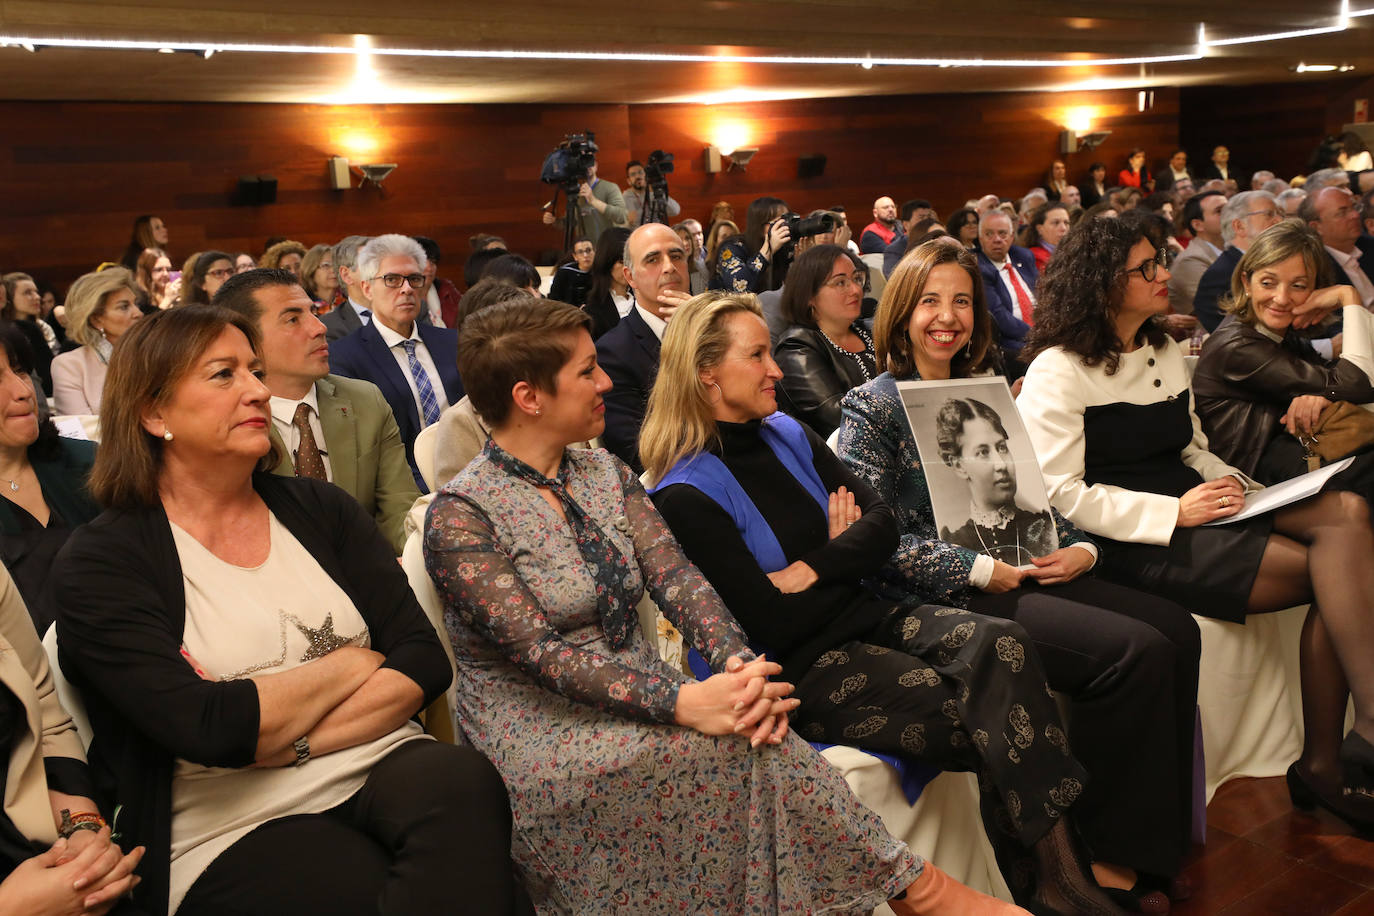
(958, 691)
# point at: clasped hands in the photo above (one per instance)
(737, 700)
(1063, 565)
(86, 874)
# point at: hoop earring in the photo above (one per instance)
(719, 392)
(167, 435)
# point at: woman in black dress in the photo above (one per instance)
(1107, 406)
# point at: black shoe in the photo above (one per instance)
(1140, 899)
(1346, 807)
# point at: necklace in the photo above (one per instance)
(857, 357)
(14, 484)
(988, 550)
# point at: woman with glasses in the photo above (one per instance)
(827, 349)
(207, 275)
(1108, 408)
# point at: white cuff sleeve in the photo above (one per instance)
(981, 573)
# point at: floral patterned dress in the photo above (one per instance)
(616, 809)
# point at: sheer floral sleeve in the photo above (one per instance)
(677, 587)
(481, 586)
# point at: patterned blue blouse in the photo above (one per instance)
(876, 443)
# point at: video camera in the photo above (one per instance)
(805, 227)
(567, 166)
(657, 169)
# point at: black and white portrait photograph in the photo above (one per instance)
(986, 487)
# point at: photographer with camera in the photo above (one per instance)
(641, 191)
(593, 205)
(757, 260)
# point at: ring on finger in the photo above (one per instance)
(1224, 501)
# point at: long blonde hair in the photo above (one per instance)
(680, 421)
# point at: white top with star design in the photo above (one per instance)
(242, 623)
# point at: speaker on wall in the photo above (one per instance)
(811, 166)
(257, 189)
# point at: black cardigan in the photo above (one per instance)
(121, 612)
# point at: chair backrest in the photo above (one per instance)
(440, 717)
(833, 440)
(424, 453)
(67, 695)
(876, 278)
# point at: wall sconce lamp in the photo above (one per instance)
(376, 172)
(741, 157)
(1072, 141)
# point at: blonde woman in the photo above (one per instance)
(101, 306)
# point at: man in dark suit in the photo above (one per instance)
(1243, 218)
(1009, 278)
(655, 266)
(415, 365)
(325, 426)
(1174, 172)
(1333, 212)
(357, 311)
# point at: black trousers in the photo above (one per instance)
(429, 832)
(958, 691)
(1128, 661)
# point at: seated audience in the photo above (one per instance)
(1047, 227)
(609, 298)
(1259, 383)
(485, 241)
(914, 212)
(1056, 180)
(758, 259)
(1010, 276)
(826, 348)
(1202, 219)
(22, 305)
(573, 278)
(42, 480)
(440, 295)
(286, 255)
(148, 232)
(1243, 218)
(411, 362)
(514, 270)
(318, 277)
(244, 262)
(880, 233)
(152, 277)
(918, 234)
(628, 353)
(1127, 661)
(206, 276)
(356, 310)
(1290, 200)
(251, 657)
(717, 234)
(101, 306)
(547, 635)
(1335, 214)
(323, 426)
(1220, 166)
(963, 225)
(696, 266)
(1167, 178)
(56, 854)
(1034, 199)
(1108, 408)
(785, 534)
(1093, 188)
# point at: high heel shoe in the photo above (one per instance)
(1143, 898)
(1306, 796)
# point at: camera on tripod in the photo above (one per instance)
(568, 166)
(657, 169)
(805, 227)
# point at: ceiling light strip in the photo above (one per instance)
(1274, 36)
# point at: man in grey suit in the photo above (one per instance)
(357, 311)
(326, 426)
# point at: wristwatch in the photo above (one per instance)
(302, 746)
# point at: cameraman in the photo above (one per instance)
(757, 260)
(599, 207)
(635, 194)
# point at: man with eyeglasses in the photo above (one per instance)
(1202, 218)
(415, 365)
(1009, 278)
(1336, 215)
(1243, 218)
(356, 311)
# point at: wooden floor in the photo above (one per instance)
(1265, 857)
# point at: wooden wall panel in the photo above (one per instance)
(76, 174)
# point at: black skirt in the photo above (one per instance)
(1209, 571)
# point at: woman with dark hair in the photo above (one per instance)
(609, 298)
(1056, 180)
(717, 235)
(1047, 227)
(572, 277)
(152, 276)
(757, 260)
(634, 788)
(252, 657)
(1136, 174)
(148, 232)
(1108, 408)
(514, 270)
(1094, 189)
(207, 275)
(319, 278)
(826, 349)
(22, 306)
(1127, 661)
(696, 263)
(42, 480)
(1354, 156)
(963, 225)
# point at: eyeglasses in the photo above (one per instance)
(1150, 269)
(394, 281)
(220, 273)
(1355, 206)
(1271, 213)
(843, 281)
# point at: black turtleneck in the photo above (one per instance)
(793, 628)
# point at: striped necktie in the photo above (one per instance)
(428, 402)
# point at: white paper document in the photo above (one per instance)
(1289, 491)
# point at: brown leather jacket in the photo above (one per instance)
(1244, 382)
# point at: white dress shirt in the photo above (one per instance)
(624, 303)
(1005, 276)
(1350, 263)
(393, 341)
(655, 323)
(284, 412)
(360, 309)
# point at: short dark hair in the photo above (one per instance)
(911, 206)
(806, 277)
(950, 420)
(477, 262)
(1193, 209)
(239, 292)
(523, 340)
(486, 292)
(632, 163)
(431, 247)
(193, 287)
(512, 269)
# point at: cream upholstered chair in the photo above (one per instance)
(876, 278)
(424, 453)
(67, 695)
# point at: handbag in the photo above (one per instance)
(1342, 429)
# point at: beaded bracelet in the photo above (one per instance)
(71, 823)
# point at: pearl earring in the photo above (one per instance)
(538, 411)
(167, 435)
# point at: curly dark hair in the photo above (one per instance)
(1081, 289)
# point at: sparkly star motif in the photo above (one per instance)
(322, 639)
